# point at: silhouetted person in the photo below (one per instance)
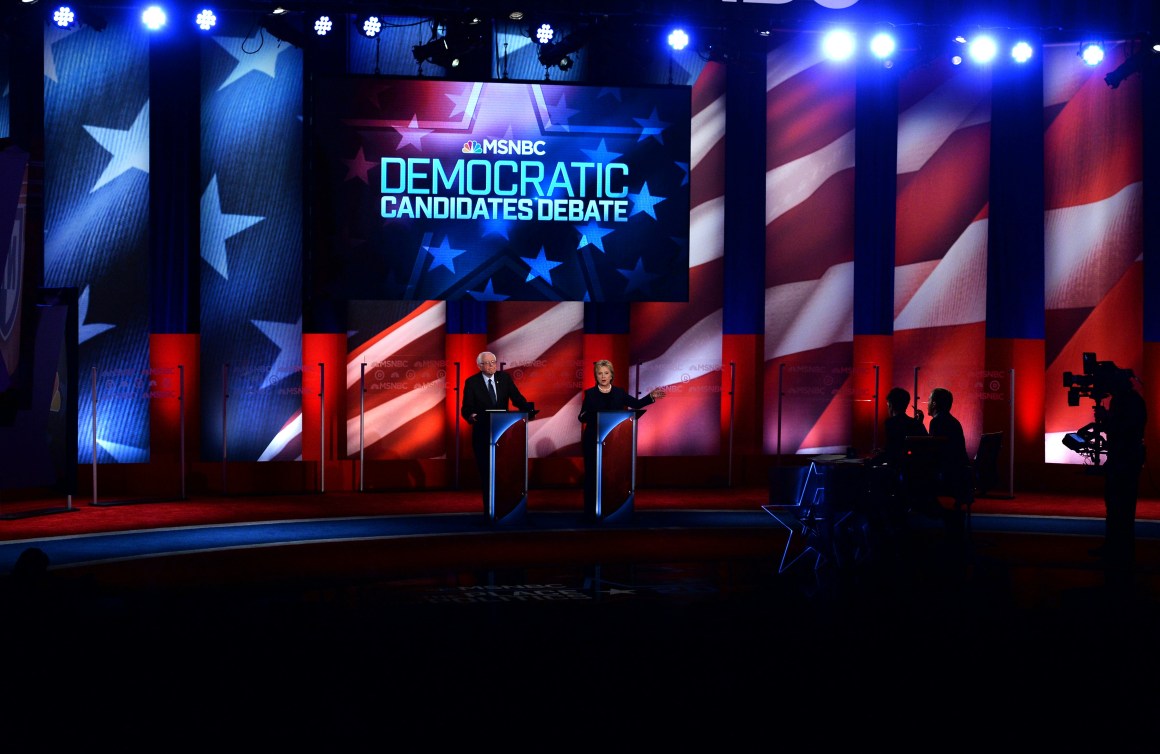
(603, 396)
(899, 425)
(954, 478)
(1123, 423)
(489, 389)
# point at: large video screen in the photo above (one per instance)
(428, 189)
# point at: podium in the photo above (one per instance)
(506, 493)
(615, 477)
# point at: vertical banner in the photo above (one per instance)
(96, 224)
(809, 247)
(940, 276)
(1093, 229)
(251, 246)
(677, 346)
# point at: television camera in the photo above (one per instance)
(1098, 380)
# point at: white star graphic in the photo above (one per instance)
(52, 35)
(217, 227)
(288, 337)
(412, 134)
(86, 330)
(130, 149)
(264, 59)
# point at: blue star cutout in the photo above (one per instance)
(560, 112)
(601, 155)
(493, 226)
(87, 330)
(130, 149)
(217, 227)
(644, 202)
(592, 234)
(443, 255)
(652, 126)
(288, 337)
(637, 277)
(541, 266)
(487, 294)
(264, 59)
(684, 166)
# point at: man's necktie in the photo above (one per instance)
(491, 391)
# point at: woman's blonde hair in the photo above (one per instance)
(603, 363)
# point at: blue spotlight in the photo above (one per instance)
(544, 34)
(838, 44)
(1022, 52)
(205, 19)
(882, 45)
(1092, 53)
(154, 18)
(983, 49)
(64, 17)
(678, 39)
(323, 25)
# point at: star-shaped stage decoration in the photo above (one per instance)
(263, 60)
(644, 202)
(87, 330)
(601, 155)
(358, 167)
(52, 35)
(412, 134)
(592, 234)
(487, 294)
(130, 149)
(652, 126)
(560, 113)
(443, 255)
(217, 227)
(610, 91)
(288, 337)
(637, 277)
(459, 102)
(541, 266)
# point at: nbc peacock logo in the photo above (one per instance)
(472, 147)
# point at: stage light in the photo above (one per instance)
(678, 39)
(1092, 53)
(983, 49)
(516, 15)
(451, 41)
(64, 17)
(559, 53)
(1022, 52)
(323, 25)
(369, 26)
(285, 28)
(838, 44)
(544, 33)
(154, 17)
(1124, 70)
(883, 45)
(205, 19)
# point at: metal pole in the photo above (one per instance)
(780, 393)
(181, 423)
(94, 435)
(225, 422)
(916, 389)
(458, 419)
(1011, 443)
(362, 412)
(732, 414)
(321, 427)
(877, 387)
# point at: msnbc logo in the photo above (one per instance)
(472, 147)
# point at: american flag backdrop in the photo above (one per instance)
(96, 131)
(251, 246)
(1093, 189)
(809, 269)
(677, 346)
(940, 274)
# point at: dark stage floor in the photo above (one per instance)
(672, 630)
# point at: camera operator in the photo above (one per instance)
(1123, 424)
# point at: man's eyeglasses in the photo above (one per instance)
(487, 363)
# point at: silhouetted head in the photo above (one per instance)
(940, 401)
(898, 399)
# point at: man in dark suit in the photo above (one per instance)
(489, 389)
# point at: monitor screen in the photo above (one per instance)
(424, 189)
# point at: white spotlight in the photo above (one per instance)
(1092, 53)
(983, 49)
(838, 45)
(1022, 52)
(678, 39)
(154, 18)
(882, 45)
